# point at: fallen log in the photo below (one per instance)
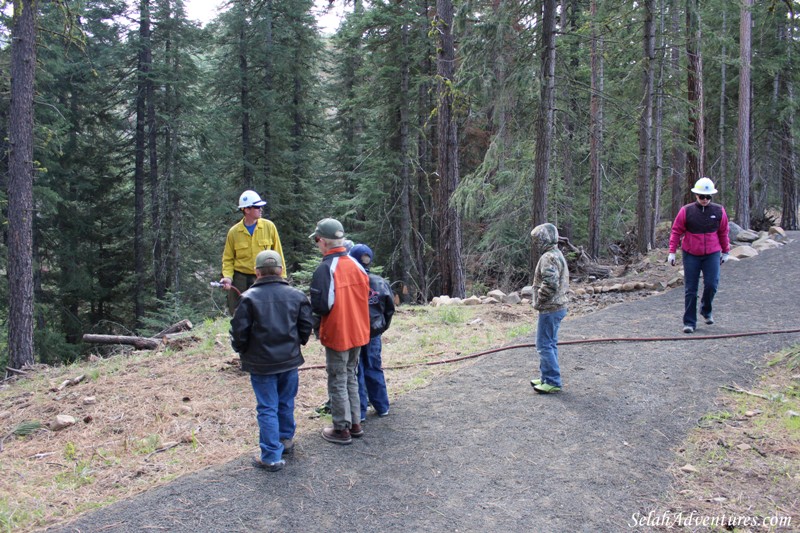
(140, 343)
(183, 325)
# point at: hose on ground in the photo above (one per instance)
(584, 341)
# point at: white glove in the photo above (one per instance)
(723, 258)
(671, 259)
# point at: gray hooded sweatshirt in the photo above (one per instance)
(551, 278)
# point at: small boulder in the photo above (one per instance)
(526, 292)
(512, 298)
(62, 421)
(497, 294)
(472, 300)
(747, 235)
(743, 252)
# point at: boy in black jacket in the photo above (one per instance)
(270, 323)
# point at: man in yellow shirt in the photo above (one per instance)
(245, 240)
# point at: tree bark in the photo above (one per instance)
(140, 343)
(244, 97)
(143, 72)
(743, 138)
(20, 185)
(544, 127)
(595, 134)
(723, 98)
(789, 188)
(696, 156)
(645, 133)
(451, 267)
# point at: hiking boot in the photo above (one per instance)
(288, 446)
(546, 388)
(337, 436)
(688, 329)
(356, 431)
(709, 318)
(535, 382)
(269, 467)
(385, 413)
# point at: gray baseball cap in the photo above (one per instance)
(328, 228)
(268, 258)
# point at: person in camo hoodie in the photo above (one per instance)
(550, 286)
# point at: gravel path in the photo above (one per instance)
(479, 451)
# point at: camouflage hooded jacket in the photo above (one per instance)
(551, 278)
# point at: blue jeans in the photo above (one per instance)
(275, 395)
(692, 266)
(371, 383)
(343, 387)
(547, 346)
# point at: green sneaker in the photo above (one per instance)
(535, 382)
(546, 388)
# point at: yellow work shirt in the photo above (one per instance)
(241, 248)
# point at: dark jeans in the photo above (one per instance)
(693, 265)
(241, 282)
(275, 396)
(371, 383)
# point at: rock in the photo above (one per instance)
(777, 230)
(688, 468)
(734, 230)
(489, 300)
(744, 447)
(792, 414)
(579, 292)
(674, 282)
(747, 235)
(62, 421)
(4, 415)
(743, 252)
(765, 244)
(497, 294)
(615, 288)
(512, 298)
(89, 400)
(472, 300)
(526, 292)
(754, 412)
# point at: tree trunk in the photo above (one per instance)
(138, 173)
(789, 196)
(723, 97)
(268, 75)
(658, 143)
(152, 141)
(451, 267)
(696, 156)
(244, 98)
(743, 138)
(678, 157)
(645, 133)
(406, 249)
(595, 134)
(544, 127)
(570, 8)
(20, 185)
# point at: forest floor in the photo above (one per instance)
(147, 418)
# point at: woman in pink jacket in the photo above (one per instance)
(701, 230)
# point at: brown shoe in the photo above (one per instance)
(356, 431)
(337, 436)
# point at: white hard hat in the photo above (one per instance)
(704, 186)
(250, 199)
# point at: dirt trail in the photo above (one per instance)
(480, 451)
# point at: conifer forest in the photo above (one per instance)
(439, 132)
